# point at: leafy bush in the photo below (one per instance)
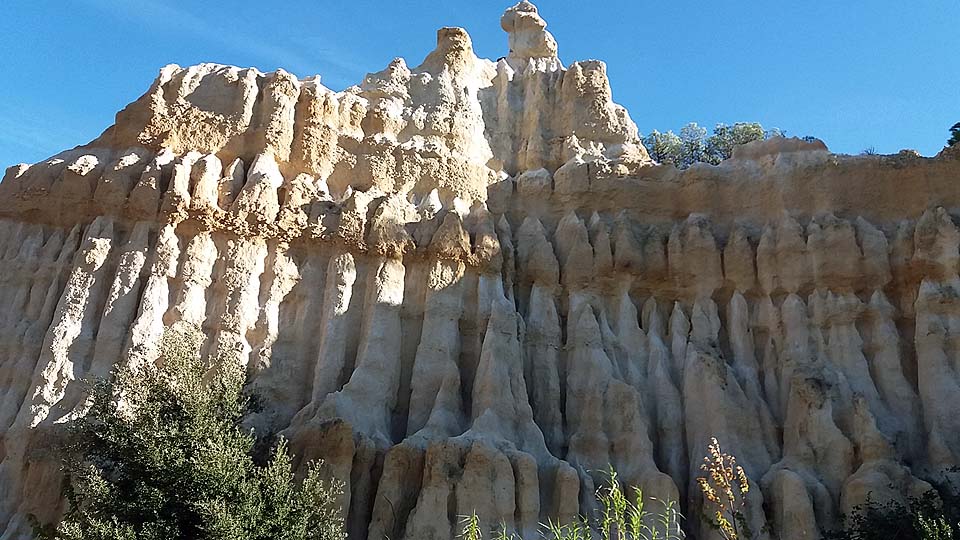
(160, 455)
(924, 518)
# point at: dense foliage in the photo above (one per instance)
(693, 145)
(932, 516)
(160, 455)
(954, 135)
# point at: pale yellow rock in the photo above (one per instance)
(465, 286)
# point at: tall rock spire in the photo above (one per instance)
(528, 35)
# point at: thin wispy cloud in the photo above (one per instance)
(33, 131)
(298, 55)
(28, 135)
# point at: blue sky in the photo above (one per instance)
(856, 73)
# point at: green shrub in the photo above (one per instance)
(160, 455)
(928, 517)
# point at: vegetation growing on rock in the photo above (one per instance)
(161, 455)
(954, 135)
(693, 145)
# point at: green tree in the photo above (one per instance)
(694, 139)
(720, 145)
(954, 135)
(161, 455)
(664, 148)
(693, 145)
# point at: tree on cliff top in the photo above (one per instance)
(161, 455)
(954, 135)
(693, 145)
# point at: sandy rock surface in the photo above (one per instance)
(466, 286)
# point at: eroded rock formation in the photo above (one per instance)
(466, 286)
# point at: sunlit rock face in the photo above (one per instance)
(466, 286)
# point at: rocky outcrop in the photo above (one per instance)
(467, 287)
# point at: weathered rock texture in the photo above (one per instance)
(467, 287)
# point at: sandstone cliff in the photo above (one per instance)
(467, 287)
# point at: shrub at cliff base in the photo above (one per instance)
(160, 455)
(932, 516)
